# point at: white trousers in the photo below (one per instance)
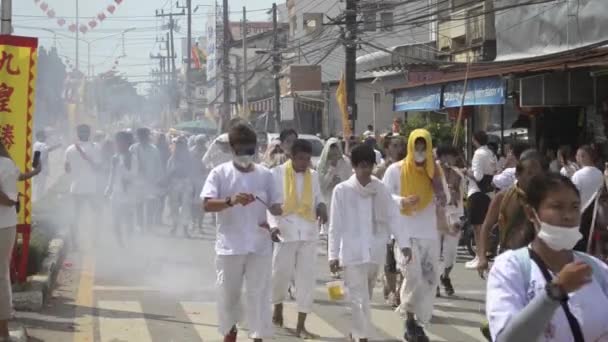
(297, 260)
(255, 270)
(7, 241)
(421, 277)
(359, 281)
(449, 250)
(39, 186)
(180, 202)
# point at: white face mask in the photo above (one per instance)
(243, 161)
(559, 238)
(419, 156)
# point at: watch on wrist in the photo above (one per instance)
(229, 202)
(555, 292)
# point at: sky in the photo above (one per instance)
(106, 42)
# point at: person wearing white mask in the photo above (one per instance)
(547, 291)
(241, 192)
(416, 187)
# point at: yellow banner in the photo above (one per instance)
(341, 99)
(18, 59)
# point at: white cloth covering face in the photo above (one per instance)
(352, 237)
(294, 227)
(9, 175)
(254, 271)
(82, 174)
(421, 277)
(507, 295)
(238, 230)
(295, 261)
(360, 281)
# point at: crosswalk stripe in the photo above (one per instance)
(204, 318)
(314, 323)
(122, 321)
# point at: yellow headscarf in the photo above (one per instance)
(302, 206)
(417, 180)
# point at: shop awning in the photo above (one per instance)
(420, 98)
(481, 91)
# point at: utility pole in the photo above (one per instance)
(171, 47)
(226, 63)
(276, 64)
(77, 38)
(188, 9)
(7, 17)
(350, 48)
(245, 76)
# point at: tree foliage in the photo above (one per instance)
(51, 74)
(442, 132)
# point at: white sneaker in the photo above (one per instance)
(471, 265)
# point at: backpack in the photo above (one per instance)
(525, 265)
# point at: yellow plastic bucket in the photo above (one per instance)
(335, 290)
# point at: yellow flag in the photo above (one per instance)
(17, 84)
(341, 98)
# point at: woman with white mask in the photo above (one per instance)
(547, 291)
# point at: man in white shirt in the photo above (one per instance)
(506, 178)
(417, 190)
(82, 159)
(295, 254)
(588, 179)
(240, 192)
(151, 172)
(41, 146)
(363, 216)
(483, 169)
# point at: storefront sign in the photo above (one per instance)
(482, 91)
(419, 98)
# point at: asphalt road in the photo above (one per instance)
(161, 288)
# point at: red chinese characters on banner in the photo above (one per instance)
(7, 135)
(6, 92)
(6, 60)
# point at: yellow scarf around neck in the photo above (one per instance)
(302, 206)
(417, 180)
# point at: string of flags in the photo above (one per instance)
(89, 24)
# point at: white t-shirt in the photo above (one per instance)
(9, 175)
(505, 179)
(506, 296)
(238, 230)
(294, 227)
(422, 224)
(44, 157)
(378, 157)
(588, 180)
(82, 173)
(484, 163)
(123, 188)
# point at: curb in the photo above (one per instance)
(17, 332)
(37, 290)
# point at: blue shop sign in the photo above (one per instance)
(481, 91)
(419, 98)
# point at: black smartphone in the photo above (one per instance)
(36, 159)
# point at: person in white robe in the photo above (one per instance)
(363, 216)
(240, 192)
(417, 190)
(295, 255)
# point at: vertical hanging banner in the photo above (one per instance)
(18, 61)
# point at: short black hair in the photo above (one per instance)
(447, 150)
(541, 185)
(370, 127)
(142, 131)
(362, 154)
(589, 151)
(481, 137)
(243, 134)
(286, 133)
(125, 137)
(532, 154)
(83, 127)
(301, 146)
(518, 148)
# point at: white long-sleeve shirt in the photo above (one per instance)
(420, 225)
(351, 237)
(294, 227)
(504, 179)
